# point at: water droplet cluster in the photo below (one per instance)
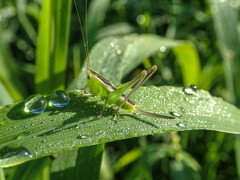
(37, 103)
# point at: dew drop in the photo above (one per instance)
(10, 156)
(190, 89)
(175, 114)
(163, 49)
(82, 137)
(59, 98)
(182, 125)
(35, 104)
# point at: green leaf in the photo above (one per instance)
(115, 29)
(115, 57)
(96, 16)
(9, 74)
(189, 62)
(77, 125)
(21, 13)
(33, 170)
(181, 170)
(4, 93)
(225, 18)
(52, 45)
(2, 176)
(78, 164)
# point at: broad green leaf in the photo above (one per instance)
(52, 45)
(115, 57)
(77, 125)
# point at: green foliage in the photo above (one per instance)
(191, 42)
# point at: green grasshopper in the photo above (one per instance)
(100, 86)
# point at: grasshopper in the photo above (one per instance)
(100, 86)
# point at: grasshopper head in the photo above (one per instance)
(93, 82)
(89, 74)
(98, 84)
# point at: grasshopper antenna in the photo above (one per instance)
(88, 62)
(85, 41)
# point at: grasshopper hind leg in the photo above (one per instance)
(142, 78)
(153, 114)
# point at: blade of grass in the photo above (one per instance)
(96, 15)
(9, 74)
(189, 62)
(2, 176)
(83, 163)
(43, 49)
(21, 13)
(33, 170)
(5, 96)
(52, 45)
(225, 17)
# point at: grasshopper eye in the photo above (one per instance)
(89, 76)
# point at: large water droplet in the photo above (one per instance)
(10, 156)
(35, 104)
(190, 89)
(59, 98)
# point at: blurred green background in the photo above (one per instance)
(33, 57)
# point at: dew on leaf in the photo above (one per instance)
(182, 125)
(190, 89)
(35, 104)
(175, 114)
(59, 99)
(11, 156)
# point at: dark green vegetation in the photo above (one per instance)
(191, 42)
